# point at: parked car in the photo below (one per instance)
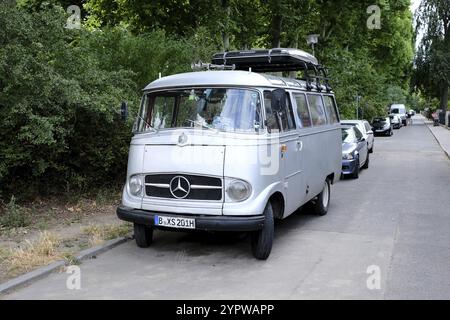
(355, 154)
(199, 160)
(399, 110)
(365, 128)
(382, 126)
(396, 121)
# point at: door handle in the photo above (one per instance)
(299, 145)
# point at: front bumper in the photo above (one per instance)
(202, 222)
(348, 166)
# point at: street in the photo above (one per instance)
(395, 218)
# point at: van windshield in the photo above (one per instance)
(223, 109)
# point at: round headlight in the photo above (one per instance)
(238, 190)
(136, 186)
(347, 156)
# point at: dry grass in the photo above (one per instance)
(42, 251)
(98, 234)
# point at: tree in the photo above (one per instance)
(433, 57)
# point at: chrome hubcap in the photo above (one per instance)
(326, 195)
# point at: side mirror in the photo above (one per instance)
(278, 100)
(124, 111)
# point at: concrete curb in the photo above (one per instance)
(41, 272)
(93, 252)
(440, 145)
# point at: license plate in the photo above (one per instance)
(175, 222)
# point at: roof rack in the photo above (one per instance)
(209, 66)
(277, 60)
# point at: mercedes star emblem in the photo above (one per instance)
(182, 139)
(180, 187)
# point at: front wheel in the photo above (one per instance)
(323, 200)
(366, 164)
(143, 235)
(355, 173)
(262, 240)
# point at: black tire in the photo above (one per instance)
(366, 164)
(143, 235)
(371, 149)
(391, 133)
(262, 240)
(323, 200)
(355, 173)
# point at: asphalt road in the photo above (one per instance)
(395, 217)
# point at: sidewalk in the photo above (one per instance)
(441, 133)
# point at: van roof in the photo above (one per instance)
(227, 78)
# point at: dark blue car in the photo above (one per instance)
(355, 151)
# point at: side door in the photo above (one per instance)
(362, 146)
(290, 171)
(304, 123)
(369, 134)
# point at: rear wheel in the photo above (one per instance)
(143, 235)
(323, 200)
(262, 240)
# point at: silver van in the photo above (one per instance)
(232, 150)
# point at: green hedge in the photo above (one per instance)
(60, 129)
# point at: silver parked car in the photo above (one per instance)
(396, 121)
(231, 150)
(366, 130)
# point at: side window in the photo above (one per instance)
(330, 107)
(368, 128)
(286, 116)
(271, 120)
(318, 116)
(302, 110)
(358, 133)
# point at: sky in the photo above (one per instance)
(414, 5)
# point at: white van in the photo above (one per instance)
(399, 110)
(232, 150)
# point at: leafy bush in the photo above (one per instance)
(60, 129)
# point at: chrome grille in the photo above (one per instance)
(183, 186)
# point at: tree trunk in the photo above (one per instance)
(226, 41)
(444, 96)
(276, 30)
(225, 32)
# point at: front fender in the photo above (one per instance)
(254, 205)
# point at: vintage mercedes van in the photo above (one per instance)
(232, 148)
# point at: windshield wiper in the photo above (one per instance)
(148, 125)
(202, 125)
